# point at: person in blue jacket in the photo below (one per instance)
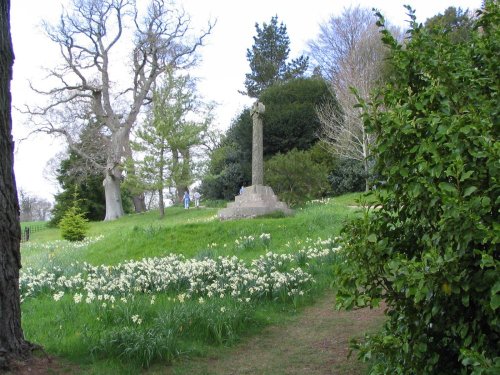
(186, 199)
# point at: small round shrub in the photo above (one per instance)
(73, 225)
(295, 177)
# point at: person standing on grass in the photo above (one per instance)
(197, 197)
(186, 199)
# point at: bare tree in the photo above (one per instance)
(12, 343)
(90, 39)
(350, 54)
(32, 207)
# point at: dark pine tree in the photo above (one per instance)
(92, 200)
(268, 58)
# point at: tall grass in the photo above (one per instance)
(72, 309)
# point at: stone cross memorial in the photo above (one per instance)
(257, 144)
(257, 199)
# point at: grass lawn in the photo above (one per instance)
(144, 291)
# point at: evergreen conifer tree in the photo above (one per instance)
(268, 58)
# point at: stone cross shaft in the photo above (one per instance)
(257, 144)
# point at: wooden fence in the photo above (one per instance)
(28, 230)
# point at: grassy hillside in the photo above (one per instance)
(189, 232)
(107, 306)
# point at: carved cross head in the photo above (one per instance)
(258, 108)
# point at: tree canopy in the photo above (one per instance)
(178, 124)
(290, 120)
(268, 58)
(455, 22)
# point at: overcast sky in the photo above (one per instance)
(222, 69)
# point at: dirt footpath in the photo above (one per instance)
(317, 342)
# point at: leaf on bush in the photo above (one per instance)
(445, 186)
(466, 175)
(495, 301)
(469, 191)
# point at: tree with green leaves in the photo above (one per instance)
(455, 22)
(226, 172)
(431, 249)
(177, 125)
(290, 120)
(268, 58)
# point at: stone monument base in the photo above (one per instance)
(256, 200)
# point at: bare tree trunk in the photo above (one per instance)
(112, 179)
(161, 203)
(150, 200)
(112, 191)
(179, 186)
(138, 197)
(139, 201)
(185, 173)
(12, 343)
(367, 171)
(161, 183)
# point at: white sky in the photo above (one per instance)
(222, 70)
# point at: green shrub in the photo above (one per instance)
(431, 249)
(348, 176)
(224, 185)
(295, 177)
(74, 225)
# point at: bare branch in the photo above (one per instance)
(88, 37)
(351, 55)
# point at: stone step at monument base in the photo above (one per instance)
(256, 200)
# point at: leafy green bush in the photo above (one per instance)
(224, 184)
(431, 249)
(348, 176)
(74, 225)
(295, 177)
